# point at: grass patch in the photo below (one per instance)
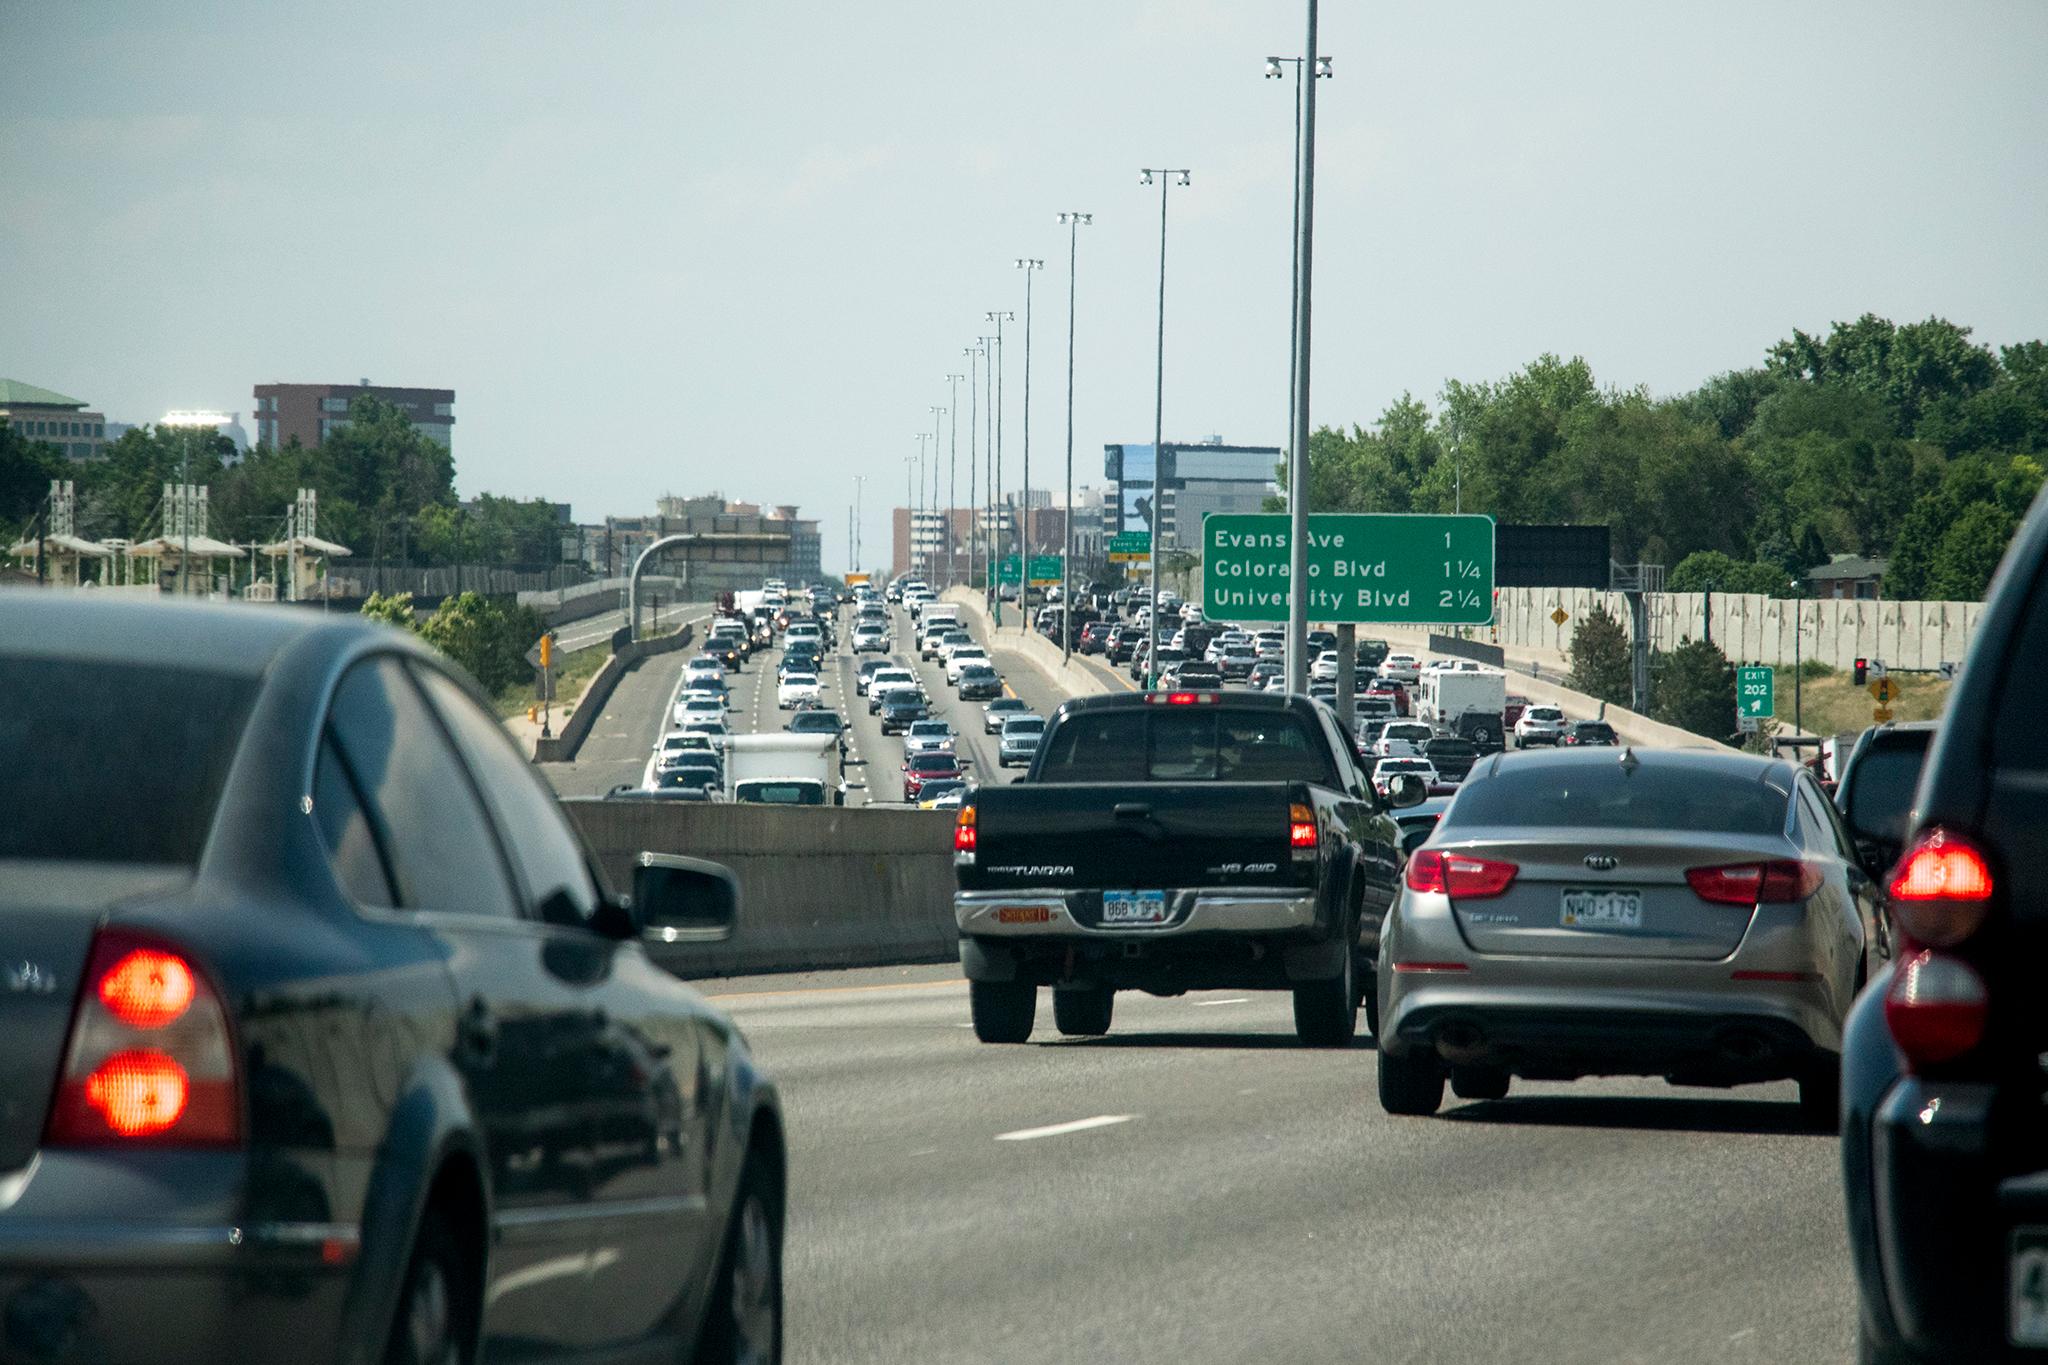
(1834, 704)
(572, 671)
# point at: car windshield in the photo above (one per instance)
(1606, 794)
(932, 763)
(821, 722)
(800, 680)
(780, 793)
(931, 729)
(77, 788)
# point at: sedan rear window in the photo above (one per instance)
(78, 789)
(1654, 796)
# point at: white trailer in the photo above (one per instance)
(787, 770)
(1458, 701)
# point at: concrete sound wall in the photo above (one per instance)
(820, 886)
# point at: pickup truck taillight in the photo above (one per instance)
(1936, 1008)
(964, 837)
(1302, 835)
(150, 1058)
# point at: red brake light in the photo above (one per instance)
(1302, 835)
(147, 989)
(1941, 889)
(1459, 875)
(1781, 881)
(1936, 1008)
(964, 831)
(150, 1056)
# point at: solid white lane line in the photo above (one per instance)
(1062, 1129)
(1240, 1000)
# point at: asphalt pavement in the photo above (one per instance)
(1198, 1187)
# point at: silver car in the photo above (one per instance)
(1692, 914)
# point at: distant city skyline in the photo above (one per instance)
(644, 261)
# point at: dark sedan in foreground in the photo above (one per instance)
(324, 1041)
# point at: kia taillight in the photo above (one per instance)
(1941, 890)
(1459, 875)
(964, 835)
(1302, 836)
(1936, 1008)
(1781, 881)
(150, 1057)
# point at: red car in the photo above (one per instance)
(1393, 692)
(1512, 712)
(929, 766)
(1092, 638)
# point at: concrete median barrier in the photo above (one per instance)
(562, 748)
(819, 886)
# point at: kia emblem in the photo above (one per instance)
(1602, 862)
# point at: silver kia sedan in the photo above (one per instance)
(1694, 914)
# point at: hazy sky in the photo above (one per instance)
(685, 247)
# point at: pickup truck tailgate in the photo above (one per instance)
(1104, 836)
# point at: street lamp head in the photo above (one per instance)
(1273, 72)
(1184, 178)
(1027, 263)
(1144, 177)
(1071, 217)
(1323, 67)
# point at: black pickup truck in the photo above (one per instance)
(1177, 841)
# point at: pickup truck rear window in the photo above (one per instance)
(1173, 744)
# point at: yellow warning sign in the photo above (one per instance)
(1560, 616)
(1886, 690)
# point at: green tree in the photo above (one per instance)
(394, 609)
(1695, 690)
(1600, 658)
(488, 637)
(1961, 566)
(1712, 571)
(26, 468)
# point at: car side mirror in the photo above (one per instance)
(684, 900)
(1405, 790)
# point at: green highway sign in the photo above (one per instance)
(1045, 569)
(1363, 568)
(1010, 569)
(1755, 693)
(1126, 546)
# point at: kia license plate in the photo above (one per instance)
(1602, 909)
(2027, 1288)
(1134, 907)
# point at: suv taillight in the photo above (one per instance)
(1936, 1008)
(150, 1058)
(1941, 889)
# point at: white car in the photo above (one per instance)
(1402, 739)
(717, 694)
(928, 736)
(962, 656)
(1191, 614)
(1401, 668)
(870, 640)
(1324, 669)
(690, 708)
(1385, 769)
(1539, 725)
(797, 687)
(704, 670)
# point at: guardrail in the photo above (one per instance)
(562, 748)
(820, 886)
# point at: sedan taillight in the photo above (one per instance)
(1781, 881)
(1459, 875)
(150, 1058)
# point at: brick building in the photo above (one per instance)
(312, 411)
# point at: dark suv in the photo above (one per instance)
(1875, 795)
(1944, 1135)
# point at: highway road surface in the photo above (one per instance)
(1198, 1187)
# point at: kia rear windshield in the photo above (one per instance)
(1183, 744)
(1678, 796)
(75, 788)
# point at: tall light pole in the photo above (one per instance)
(953, 477)
(933, 506)
(995, 482)
(922, 437)
(1273, 73)
(909, 515)
(1297, 456)
(974, 354)
(858, 481)
(1030, 266)
(1165, 178)
(1072, 222)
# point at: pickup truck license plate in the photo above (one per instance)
(1134, 907)
(1602, 909)
(2027, 1288)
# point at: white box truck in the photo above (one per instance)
(1466, 702)
(786, 770)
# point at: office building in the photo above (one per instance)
(735, 544)
(312, 412)
(50, 417)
